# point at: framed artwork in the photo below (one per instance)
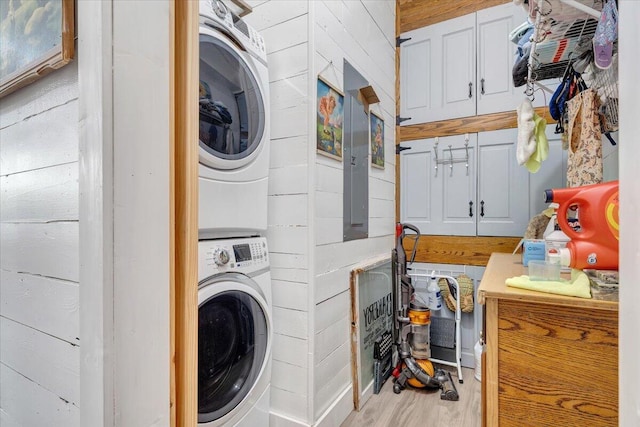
(37, 38)
(376, 135)
(329, 120)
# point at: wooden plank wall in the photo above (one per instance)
(39, 243)
(310, 263)
(414, 14)
(362, 32)
(285, 29)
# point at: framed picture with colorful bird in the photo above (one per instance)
(376, 135)
(329, 119)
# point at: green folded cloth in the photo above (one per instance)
(542, 145)
(578, 286)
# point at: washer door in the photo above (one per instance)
(233, 345)
(232, 110)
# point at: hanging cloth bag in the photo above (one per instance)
(584, 166)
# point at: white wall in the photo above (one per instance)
(124, 57)
(84, 217)
(629, 369)
(39, 268)
(363, 33)
(284, 26)
(311, 381)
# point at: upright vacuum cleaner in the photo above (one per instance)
(411, 329)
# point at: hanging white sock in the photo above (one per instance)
(526, 127)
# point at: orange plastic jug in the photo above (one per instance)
(596, 244)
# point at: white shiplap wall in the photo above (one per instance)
(39, 267)
(284, 26)
(311, 381)
(363, 33)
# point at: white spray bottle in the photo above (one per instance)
(434, 301)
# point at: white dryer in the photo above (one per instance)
(234, 126)
(234, 332)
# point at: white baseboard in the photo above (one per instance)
(332, 417)
(280, 420)
(338, 411)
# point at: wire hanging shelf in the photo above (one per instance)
(561, 32)
(605, 82)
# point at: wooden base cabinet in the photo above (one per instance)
(550, 360)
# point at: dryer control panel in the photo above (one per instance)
(220, 15)
(244, 255)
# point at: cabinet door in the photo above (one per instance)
(552, 173)
(458, 68)
(503, 186)
(417, 173)
(417, 56)
(436, 199)
(496, 57)
(454, 186)
(437, 67)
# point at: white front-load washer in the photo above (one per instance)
(234, 332)
(233, 127)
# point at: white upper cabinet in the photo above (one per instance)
(416, 80)
(458, 66)
(503, 185)
(496, 56)
(437, 71)
(461, 67)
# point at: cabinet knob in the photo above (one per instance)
(470, 89)
(482, 208)
(482, 86)
(470, 208)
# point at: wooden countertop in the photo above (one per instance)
(502, 266)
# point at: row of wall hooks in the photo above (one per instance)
(451, 160)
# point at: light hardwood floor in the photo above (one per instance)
(413, 407)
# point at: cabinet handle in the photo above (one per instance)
(470, 90)
(482, 208)
(470, 208)
(482, 86)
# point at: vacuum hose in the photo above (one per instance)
(421, 375)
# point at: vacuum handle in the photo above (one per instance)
(410, 227)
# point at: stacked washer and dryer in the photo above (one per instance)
(234, 290)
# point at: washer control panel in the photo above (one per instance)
(242, 255)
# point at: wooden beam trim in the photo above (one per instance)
(487, 122)
(463, 250)
(185, 213)
(421, 13)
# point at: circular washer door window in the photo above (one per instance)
(232, 345)
(232, 111)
